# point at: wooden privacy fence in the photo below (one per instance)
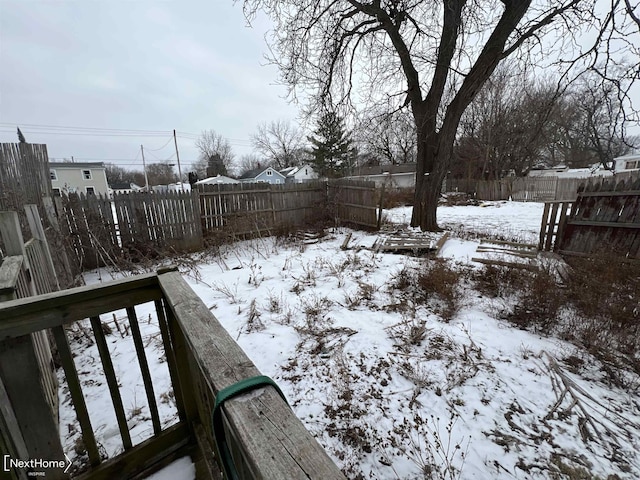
(24, 175)
(527, 189)
(264, 437)
(25, 180)
(137, 225)
(354, 202)
(604, 218)
(246, 208)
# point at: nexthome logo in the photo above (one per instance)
(34, 465)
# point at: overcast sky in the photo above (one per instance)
(152, 65)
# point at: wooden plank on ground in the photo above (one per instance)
(488, 261)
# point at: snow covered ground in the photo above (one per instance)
(388, 386)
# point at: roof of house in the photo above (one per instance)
(380, 169)
(216, 179)
(255, 172)
(291, 171)
(76, 164)
(631, 156)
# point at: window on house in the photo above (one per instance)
(91, 191)
(306, 172)
(53, 174)
(269, 172)
(56, 192)
(631, 165)
(86, 174)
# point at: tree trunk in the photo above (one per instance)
(429, 176)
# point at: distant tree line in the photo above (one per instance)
(516, 122)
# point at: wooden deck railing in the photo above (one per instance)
(265, 437)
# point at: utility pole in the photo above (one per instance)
(175, 141)
(144, 169)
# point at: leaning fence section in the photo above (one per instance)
(604, 217)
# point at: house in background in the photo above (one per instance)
(87, 178)
(626, 163)
(563, 171)
(218, 179)
(302, 173)
(123, 187)
(263, 175)
(401, 175)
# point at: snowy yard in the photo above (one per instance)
(391, 387)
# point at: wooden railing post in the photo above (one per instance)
(22, 375)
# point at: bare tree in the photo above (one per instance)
(389, 137)
(278, 142)
(116, 174)
(505, 129)
(600, 125)
(161, 173)
(211, 145)
(248, 162)
(434, 57)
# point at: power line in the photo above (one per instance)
(60, 127)
(158, 149)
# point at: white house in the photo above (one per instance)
(299, 174)
(263, 175)
(402, 175)
(626, 163)
(124, 187)
(218, 179)
(87, 178)
(562, 171)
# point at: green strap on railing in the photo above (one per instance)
(224, 454)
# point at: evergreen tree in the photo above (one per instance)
(332, 150)
(216, 166)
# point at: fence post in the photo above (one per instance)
(22, 374)
(379, 223)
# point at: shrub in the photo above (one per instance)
(397, 197)
(439, 284)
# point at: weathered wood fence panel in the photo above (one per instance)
(142, 224)
(554, 222)
(25, 179)
(527, 189)
(165, 220)
(605, 217)
(236, 209)
(353, 202)
(241, 209)
(24, 175)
